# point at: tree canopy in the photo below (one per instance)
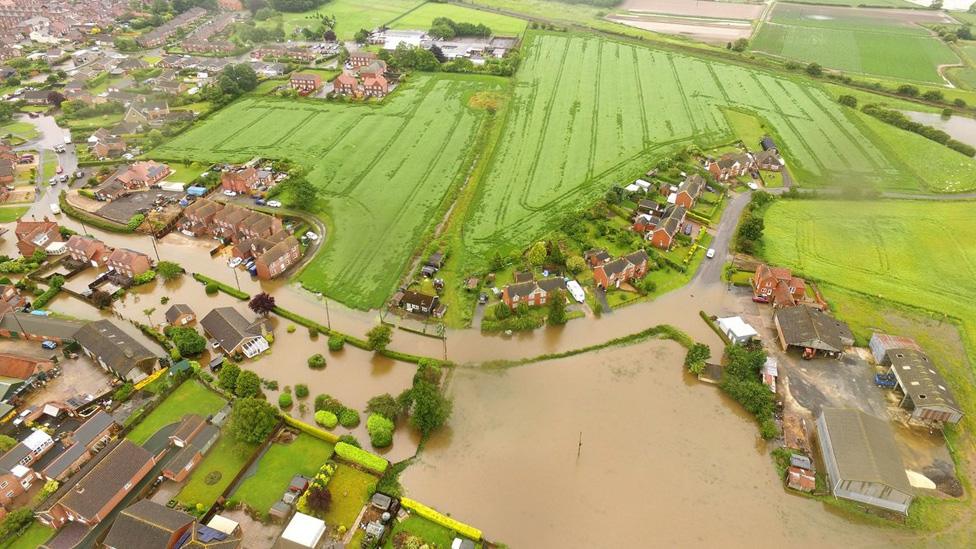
(252, 420)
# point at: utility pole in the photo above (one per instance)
(328, 317)
(153, 238)
(237, 280)
(579, 448)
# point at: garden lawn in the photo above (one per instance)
(304, 456)
(12, 213)
(49, 166)
(97, 121)
(186, 174)
(422, 17)
(855, 41)
(227, 457)
(20, 130)
(386, 171)
(429, 531)
(35, 535)
(351, 15)
(350, 490)
(569, 134)
(189, 398)
(920, 254)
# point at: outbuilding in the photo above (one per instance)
(862, 459)
(738, 331)
(927, 395)
(302, 532)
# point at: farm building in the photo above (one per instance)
(880, 344)
(927, 396)
(737, 330)
(863, 463)
(809, 328)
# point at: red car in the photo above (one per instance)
(760, 299)
(60, 169)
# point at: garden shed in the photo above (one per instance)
(738, 331)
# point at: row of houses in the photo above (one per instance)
(158, 36)
(612, 273)
(364, 79)
(88, 250)
(201, 40)
(255, 235)
(8, 167)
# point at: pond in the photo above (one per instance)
(960, 128)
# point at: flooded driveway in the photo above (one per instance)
(663, 458)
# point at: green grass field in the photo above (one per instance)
(188, 398)
(350, 489)
(226, 458)
(916, 253)
(422, 17)
(19, 130)
(32, 538)
(351, 15)
(304, 456)
(965, 76)
(12, 213)
(386, 171)
(569, 135)
(855, 3)
(857, 43)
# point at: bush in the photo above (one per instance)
(768, 429)
(380, 431)
(336, 342)
(384, 405)
(301, 390)
(316, 361)
(313, 332)
(847, 101)
(351, 440)
(326, 419)
(361, 457)
(291, 328)
(329, 404)
(284, 401)
(211, 288)
(349, 418)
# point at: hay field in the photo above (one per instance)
(385, 171)
(422, 17)
(858, 40)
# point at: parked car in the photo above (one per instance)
(311, 236)
(259, 201)
(274, 203)
(229, 192)
(233, 263)
(760, 299)
(710, 253)
(886, 381)
(752, 186)
(60, 168)
(48, 344)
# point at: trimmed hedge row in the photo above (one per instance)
(45, 297)
(222, 287)
(309, 429)
(441, 519)
(361, 457)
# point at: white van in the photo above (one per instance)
(55, 209)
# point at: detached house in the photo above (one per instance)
(116, 351)
(768, 161)
(534, 293)
(89, 500)
(621, 270)
(729, 166)
(689, 191)
(36, 235)
(662, 229)
(277, 259)
(361, 58)
(778, 286)
(305, 82)
(16, 475)
(128, 262)
(235, 334)
(111, 146)
(418, 303)
(88, 250)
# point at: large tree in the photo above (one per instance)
(252, 419)
(227, 378)
(262, 303)
(187, 340)
(378, 337)
(557, 308)
(248, 384)
(169, 270)
(430, 408)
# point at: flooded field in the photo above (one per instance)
(959, 127)
(663, 458)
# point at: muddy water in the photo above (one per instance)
(665, 461)
(960, 128)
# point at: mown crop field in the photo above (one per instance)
(422, 17)
(588, 113)
(921, 254)
(873, 42)
(385, 171)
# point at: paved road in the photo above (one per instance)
(50, 136)
(710, 270)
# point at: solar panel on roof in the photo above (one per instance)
(207, 534)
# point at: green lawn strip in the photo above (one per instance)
(12, 213)
(325, 74)
(21, 130)
(225, 459)
(35, 535)
(303, 456)
(350, 490)
(431, 532)
(185, 174)
(97, 121)
(422, 17)
(189, 398)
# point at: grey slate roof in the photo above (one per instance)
(920, 380)
(177, 311)
(864, 448)
(117, 349)
(808, 327)
(42, 326)
(693, 185)
(229, 327)
(82, 437)
(106, 479)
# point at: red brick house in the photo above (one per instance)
(81, 446)
(345, 84)
(99, 490)
(36, 235)
(278, 258)
(730, 165)
(595, 257)
(614, 273)
(778, 286)
(689, 191)
(239, 180)
(305, 82)
(128, 262)
(361, 58)
(533, 293)
(7, 171)
(663, 229)
(375, 85)
(86, 249)
(111, 147)
(199, 216)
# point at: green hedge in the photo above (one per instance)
(439, 518)
(45, 297)
(309, 429)
(222, 287)
(361, 457)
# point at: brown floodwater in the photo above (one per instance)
(665, 461)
